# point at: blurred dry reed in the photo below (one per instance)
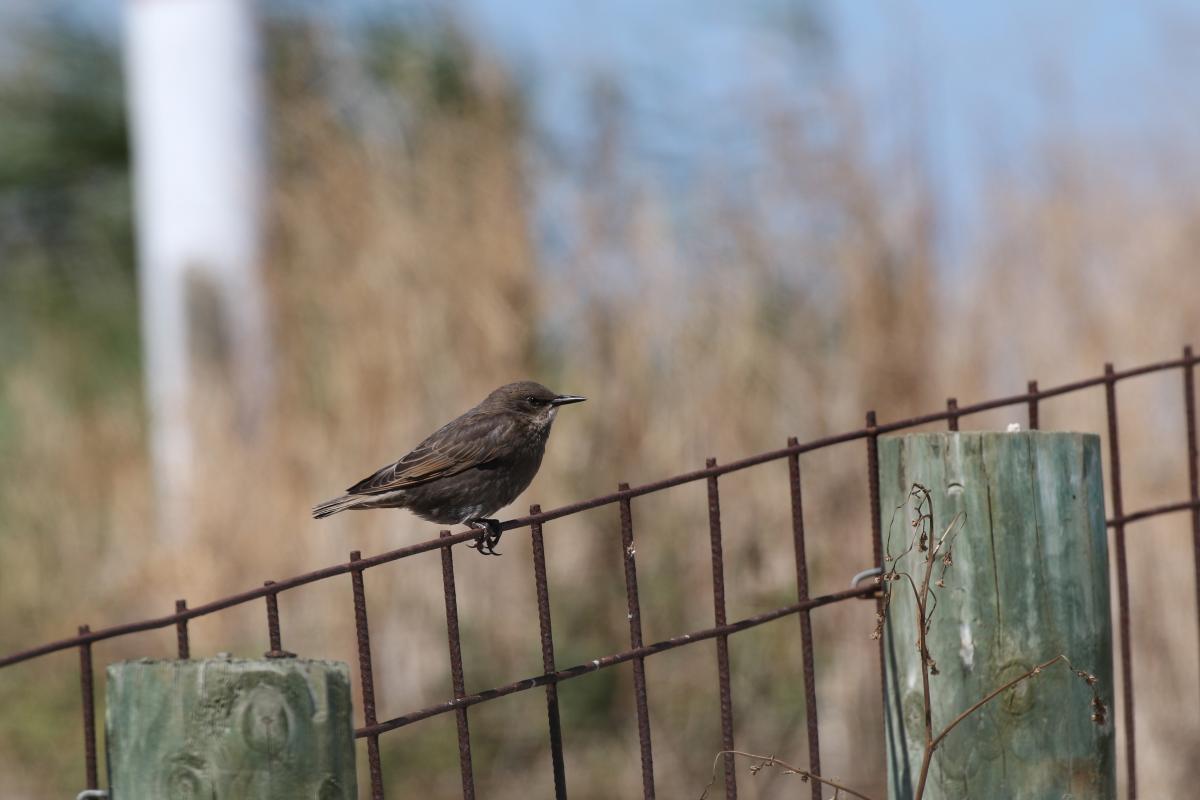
(405, 283)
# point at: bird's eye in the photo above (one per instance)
(533, 400)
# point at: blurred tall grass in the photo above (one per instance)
(405, 283)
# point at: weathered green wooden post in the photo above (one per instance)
(1029, 581)
(226, 729)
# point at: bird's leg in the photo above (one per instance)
(489, 535)
(481, 539)
(494, 533)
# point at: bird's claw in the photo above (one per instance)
(489, 536)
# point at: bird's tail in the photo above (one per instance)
(330, 507)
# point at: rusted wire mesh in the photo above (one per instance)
(639, 651)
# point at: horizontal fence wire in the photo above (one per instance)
(603, 500)
(638, 652)
(596, 502)
(597, 664)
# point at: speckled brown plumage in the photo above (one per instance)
(469, 468)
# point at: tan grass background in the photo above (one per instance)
(405, 283)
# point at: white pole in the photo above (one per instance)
(195, 114)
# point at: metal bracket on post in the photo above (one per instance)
(859, 577)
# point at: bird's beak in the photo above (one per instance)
(566, 399)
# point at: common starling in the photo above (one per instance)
(470, 467)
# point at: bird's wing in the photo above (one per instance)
(465, 443)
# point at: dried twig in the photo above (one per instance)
(772, 761)
(936, 549)
(941, 549)
(1034, 672)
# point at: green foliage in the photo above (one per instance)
(430, 63)
(67, 291)
(63, 119)
(37, 712)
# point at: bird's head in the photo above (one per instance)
(531, 400)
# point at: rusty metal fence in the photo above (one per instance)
(639, 651)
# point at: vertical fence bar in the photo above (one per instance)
(276, 650)
(1114, 451)
(1189, 409)
(273, 620)
(806, 637)
(543, 603)
(952, 421)
(873, 489)
(635, 640)
(366, 675)
(718, 569)
(876, 541)
(1032, 389)
(88, 693)
(456, 671)
(181, 632)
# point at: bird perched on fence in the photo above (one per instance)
(469, 468)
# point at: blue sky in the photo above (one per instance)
(992, 76)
